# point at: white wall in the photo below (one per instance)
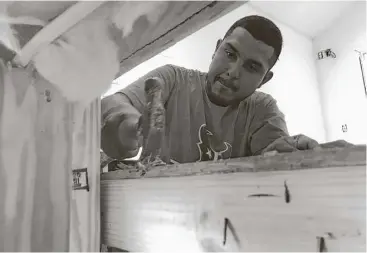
(294, 84)
(341, 86)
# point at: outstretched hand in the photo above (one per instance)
(301, 142)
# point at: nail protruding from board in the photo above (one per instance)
(228, 225)
(287, 193)
(321, 244)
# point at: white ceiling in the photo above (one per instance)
(307, 17)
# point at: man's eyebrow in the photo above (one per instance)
(257, 63)
(232, 47)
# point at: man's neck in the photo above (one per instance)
(217, 108)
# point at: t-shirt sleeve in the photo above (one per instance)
(135, 91)
(268, 125)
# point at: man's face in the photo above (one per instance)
(240, 65)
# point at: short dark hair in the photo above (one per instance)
(261, 29)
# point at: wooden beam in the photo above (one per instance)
(269, 208)
(55, 29)
(181, 19)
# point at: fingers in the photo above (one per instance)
(292, 143)
(336, 144)
(301, 142)
(304, 142)
(283, 144)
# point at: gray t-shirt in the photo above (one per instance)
(198, 130)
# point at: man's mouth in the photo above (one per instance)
(225, 83)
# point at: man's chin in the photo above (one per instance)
(219, 101)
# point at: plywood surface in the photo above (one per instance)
(297, 201)
(270, 211)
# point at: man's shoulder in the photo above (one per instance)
(183, 70)
(262, 99)
(187, 77)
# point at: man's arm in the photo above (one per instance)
(268, 125)
(121, 113)
(269, 132)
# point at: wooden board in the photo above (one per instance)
(180, 19)
(328, 203)
(270, 208)
(85, 205)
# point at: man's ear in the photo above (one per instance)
(217, 46)
(267, 78)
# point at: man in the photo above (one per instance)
(214, 115)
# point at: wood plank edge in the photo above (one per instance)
(73, 15)
(309, 159)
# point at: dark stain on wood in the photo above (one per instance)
(262, 195)
(331, 236)
(203, 217)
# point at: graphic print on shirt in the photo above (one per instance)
(206, 146)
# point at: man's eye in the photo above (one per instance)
(253, 67)
(230, 54)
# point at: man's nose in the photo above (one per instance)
(233, 75)
(234, 71)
